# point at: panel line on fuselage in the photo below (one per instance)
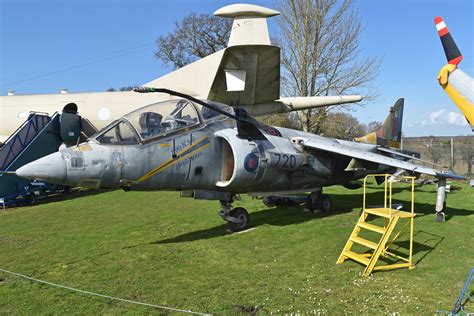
(186, 152)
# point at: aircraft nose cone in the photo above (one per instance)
(51, 168)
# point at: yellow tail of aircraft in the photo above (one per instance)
(456, 83)
(390, 134)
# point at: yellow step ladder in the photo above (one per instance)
(391, 217)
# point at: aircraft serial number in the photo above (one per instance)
(285, 161)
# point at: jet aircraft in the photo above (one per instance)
(217, 152)
(455, 82)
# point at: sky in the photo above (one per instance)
(88, 46)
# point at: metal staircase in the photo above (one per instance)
(22, 137)
(38, 136)
(379, 248)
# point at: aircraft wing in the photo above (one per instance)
(352, 152)
(408, 156)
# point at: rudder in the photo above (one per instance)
(390, 133)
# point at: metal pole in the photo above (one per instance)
(412, 221)
(363, 201)
(452, 153)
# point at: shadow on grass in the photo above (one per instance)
(283, 216)
(278, 216)
(60, 196)
(425, 243)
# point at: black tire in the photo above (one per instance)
(31, 199)
(325, 203)
(242, 214)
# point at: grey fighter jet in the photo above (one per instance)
(215, 151)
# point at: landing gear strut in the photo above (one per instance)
(319, 201)
(238, 218)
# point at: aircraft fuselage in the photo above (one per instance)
(211, 157)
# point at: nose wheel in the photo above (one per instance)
(238, 218)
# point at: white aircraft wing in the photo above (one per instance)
(340, 149)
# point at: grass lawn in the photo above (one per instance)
(160, 249)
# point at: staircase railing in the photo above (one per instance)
(21, 138)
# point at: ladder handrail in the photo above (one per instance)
(36, 135)
(24, 123)
(33, 123)
(388, 189)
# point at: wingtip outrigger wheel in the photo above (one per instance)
(440, 217)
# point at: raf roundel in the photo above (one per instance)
(273, 131)
(251, 162)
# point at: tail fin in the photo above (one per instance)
(390, 134)
(246, 72)
(451, 50)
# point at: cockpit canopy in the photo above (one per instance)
(158, 119)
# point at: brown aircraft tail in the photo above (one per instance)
(390, 134)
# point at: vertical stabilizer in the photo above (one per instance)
(390, 133)
(250, 23)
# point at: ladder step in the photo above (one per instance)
(374, 228)
(364, 242)
(356, 257)
(384, 212)
(388, 212)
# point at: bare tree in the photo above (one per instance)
(342, 126)
(288, 120)
(436, 149)
(194, 37)
(374, 126)
(321, 53)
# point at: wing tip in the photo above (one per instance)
(441, 26)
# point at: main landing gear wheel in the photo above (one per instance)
(240, 220)
(324, 203)
(318, 201)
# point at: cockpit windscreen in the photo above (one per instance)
(157, 119)
(163, 118)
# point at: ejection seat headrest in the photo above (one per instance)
(150, 120)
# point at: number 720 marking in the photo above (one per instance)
(284, 161)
